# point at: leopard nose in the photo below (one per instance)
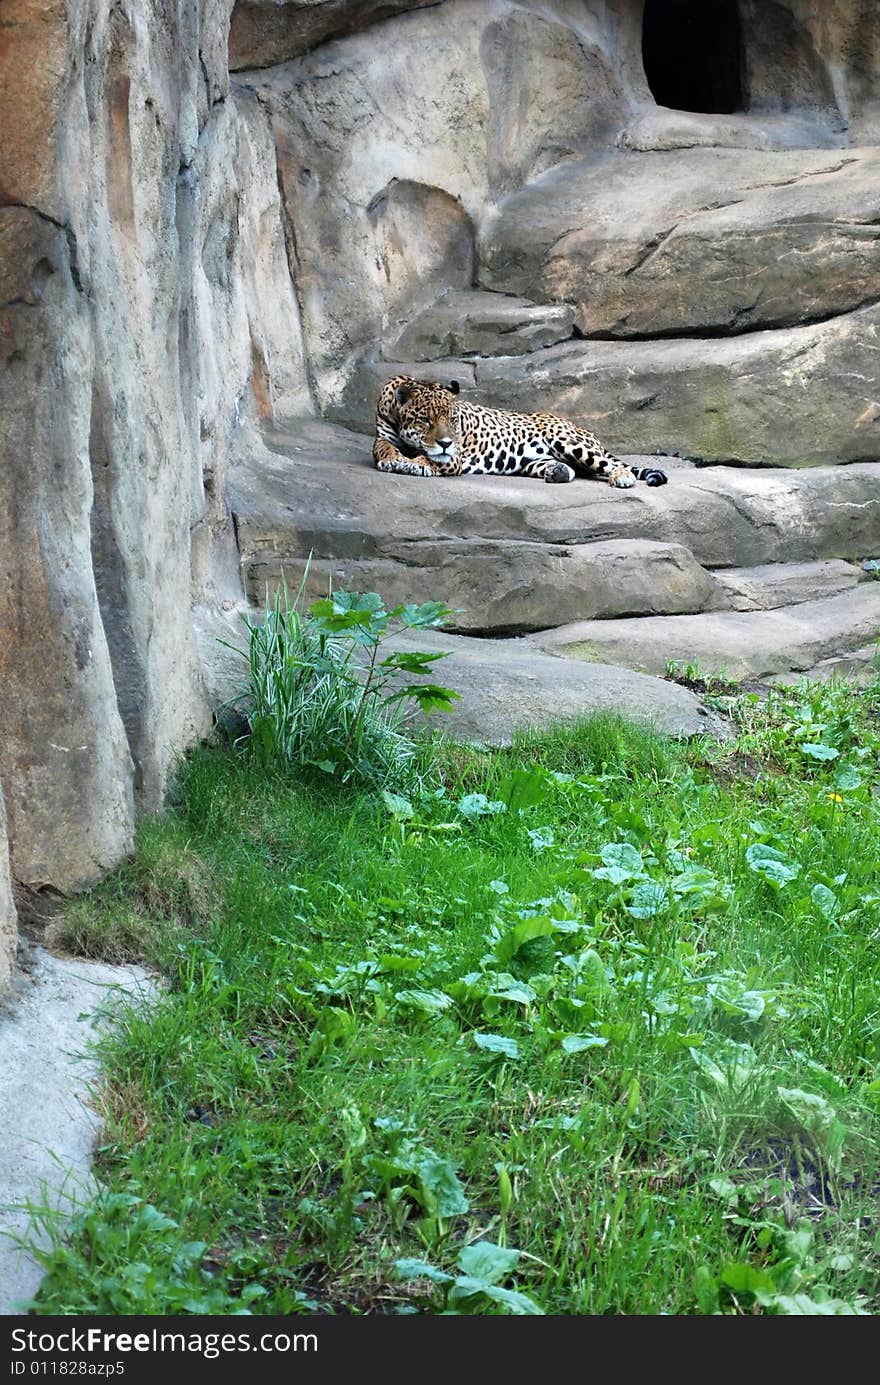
(445, 443)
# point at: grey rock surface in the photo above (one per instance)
(785, 584)
(722, 240)
(860, 666)
(46, 1115)
(795, 396)
(311, 487)
(742, 644)
(381, 190)
(265, 32)
(506, 686)
(147, 306)
(471, 322)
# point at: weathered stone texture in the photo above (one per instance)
(7, 905)
(719, 240)
(265, 32)
(146, 310)
(62, 743)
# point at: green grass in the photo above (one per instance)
(620, 1014)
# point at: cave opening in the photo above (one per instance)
(692, 54)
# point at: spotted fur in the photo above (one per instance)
(425, 429)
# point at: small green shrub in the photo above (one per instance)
(320, 695)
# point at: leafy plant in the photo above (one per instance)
(477, 1288)
(320, 694)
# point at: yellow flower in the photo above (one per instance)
(835, 798)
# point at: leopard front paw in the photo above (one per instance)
(559, 474)
(622, 478)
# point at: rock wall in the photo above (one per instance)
(147, 314)
(486, 184)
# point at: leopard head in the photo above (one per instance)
(427, 421)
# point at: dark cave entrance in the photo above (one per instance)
(692, 53)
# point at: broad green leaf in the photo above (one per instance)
(817, 751)
(410, 660)
(541, 838)
(419, 1269)
(428, 1002)
(801, 1305)
(398, 806)
(477, 805)
(772, 864)
(847, 777)
(497, 1043)
(333, 1026)
(697, 885)
(524, 789)
(508, 988)
(825, 901)
(430, 696)
(710, 1068)
(649, 898)
(466, 1290)
(443, 1194)
(727, 1191)
(430, 613)
(578, 1043)
(621, 862)
(487, 1261)
(812, 1112)
(745, 1279)
(522, 933)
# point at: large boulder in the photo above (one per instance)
(62, 742)
(797, 396)
(147, 310)
(719, 240)
(468, 322)
(506, 687)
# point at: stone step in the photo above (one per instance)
(475, 322)
(512, 555)
(506, 687)
(861, 666)
(508, 587)
(772, 585)
(648, 244)
(740, 644)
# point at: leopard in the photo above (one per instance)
(423, 428)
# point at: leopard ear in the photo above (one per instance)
(454, 387)
(403, 394)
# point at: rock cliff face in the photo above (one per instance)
(147, 309)
(481, 187)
